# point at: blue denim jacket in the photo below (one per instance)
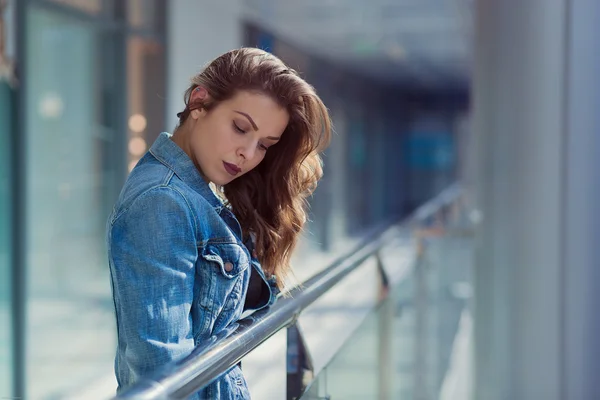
(179, 269)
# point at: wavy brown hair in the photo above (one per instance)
(270, 201)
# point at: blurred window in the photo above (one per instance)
(92, 110)
(70, 132)
(146, 14)
(146, 89)
(93, 7)
(5, 270)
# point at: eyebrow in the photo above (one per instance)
(249, 119)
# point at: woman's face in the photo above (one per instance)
(233, 137)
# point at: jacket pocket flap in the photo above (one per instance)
(231, 258)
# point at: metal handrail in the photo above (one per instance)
(215, 356)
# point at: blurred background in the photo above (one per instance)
(499, 100)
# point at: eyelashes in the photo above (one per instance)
(243, 132)
(238, 129)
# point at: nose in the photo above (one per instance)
(248, 150)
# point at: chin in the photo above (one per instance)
(223, 181)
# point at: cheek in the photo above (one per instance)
(224, 139)
(212, 141)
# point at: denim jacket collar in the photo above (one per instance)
(173, 157)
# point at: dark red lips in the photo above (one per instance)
(232, 169)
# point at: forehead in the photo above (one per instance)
(263, 110)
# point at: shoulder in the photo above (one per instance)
(154, 195)
(156, 201)
(150, 183)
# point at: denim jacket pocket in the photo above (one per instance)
(231, 258)
(222, 284)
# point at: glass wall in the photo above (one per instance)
(5, 246)
(94, 102)
(70, 322)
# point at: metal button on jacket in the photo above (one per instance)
(228, 266)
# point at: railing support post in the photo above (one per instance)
(300, 370)
(385, 333)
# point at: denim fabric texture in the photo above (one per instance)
(179, 269)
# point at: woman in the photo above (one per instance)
(185, 260)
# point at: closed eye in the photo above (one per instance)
(263, 147)
(238, 129)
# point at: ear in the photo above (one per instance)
(198, 95)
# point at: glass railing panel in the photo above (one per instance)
(404, 348)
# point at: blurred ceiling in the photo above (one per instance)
(424, 43)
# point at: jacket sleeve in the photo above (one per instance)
(152, 250)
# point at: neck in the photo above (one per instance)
(182, 138)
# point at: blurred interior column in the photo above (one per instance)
(536, 102)
(198, 32)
